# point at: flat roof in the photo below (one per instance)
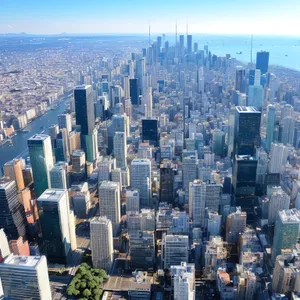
(5, 182)
(52, 195)
(82, 87)
(289, 216)
(39, 137)
(247, 109)
(25, 261)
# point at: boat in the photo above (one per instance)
(24, 130)
(239, 52)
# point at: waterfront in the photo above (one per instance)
(19, 142)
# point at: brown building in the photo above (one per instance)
(19, 247)
(13, 170)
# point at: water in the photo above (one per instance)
(19, 147)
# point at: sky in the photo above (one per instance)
(276, 17)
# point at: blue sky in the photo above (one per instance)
(133, 16)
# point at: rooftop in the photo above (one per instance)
(82, 87)
(5, 182)
(24, 261)
(247, 109)
(39, 137)
(53, 195)
(289, 216)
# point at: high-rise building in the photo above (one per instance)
(142, 250)
(90, 145)
(235, 224)
(25, 277)
(279, 200)
(84, 108)
(101, 232)
(197, 200)
(181, 45)
(175, 250)
(256, 96)
(41, 159)
(240, 80)
(120, 149)
(189, 171)
(150, 131)
(270, 126)
(218, 142)
(189, 43)
(134, 91)
(262, 61)
(57, 230)
(109, 201)
(247, 130)
(183, 281)
(167, 174)
(278, 158)
(58, 177)
(4, 247)
(287, 129)
(62, 146)
(13, 170)
(78, 161)
(12, 214)
(286, 231)
(141, 179)
(132, 200)
(65, 122)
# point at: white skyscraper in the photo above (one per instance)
(175, 249)
(109, 201)
(189, 170)
(120, 149)
(101, 242)
(25, 277)
(4, 247)
(58, 178)
(183, 280)
(278, 158)
(279, 200)
(141, 179)
(197, 200)
(132, 200)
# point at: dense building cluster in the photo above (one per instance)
(176, 168)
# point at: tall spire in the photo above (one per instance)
(251, 49)
(149, 33)
(176, 39)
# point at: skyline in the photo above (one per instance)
(215, 17)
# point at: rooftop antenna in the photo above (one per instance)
(187, 28)
(251, 49)
(149, 33)
(176, 38)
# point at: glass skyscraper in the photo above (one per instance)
(262, 61)
(134, 91)
(84, 108)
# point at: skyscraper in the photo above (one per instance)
(13, 170)
(279, 200)
(287, 129)
(65, 121)
(286, 231)
(262, 61)
(189, 43)
(109, 202)
(4, 247)
(218, 142)
(101, 232)
(58, 178)
(278, 158)
(84, 108)
(134, 91)
(141, 179)
(12, 214)
(235, 224)
(120, 149)
(150, 131)
(247, 130)
(197, 200)
(167, 174)
(132, 200)
(41, 159)
(240, 80)
(53, 207)
(25, 277)
(270, 126)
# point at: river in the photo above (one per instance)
(19, 142)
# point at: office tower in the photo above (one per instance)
(62, 146)
(25, 276)
(244, 180)
(150, 131)
(102, 248)
(213, 223)
(78, 161)
(4, 247)
(167, 174)
(270, 126)
(287, 111)
(65, 121)
(128, 108)
(109, 202)
(41, 159)
(175, 250)
(286, 231)
(197, 200)
(256, 96)
(12, 214)
(183, 281)
(74, 141)
(142, 250)
(189, 172)
(81, 200)
(141, 179)
(134, 91)
(13, 170)
(147, 219)
(53, 132)
(189, 43)
(84, 108)
(90, 145)
(53, 207)
(126, 86)
(218, 142)
(132, 200)
(200, 80)
(133, 220)
(235, 224)
(279, 200)
(120, 149)
(247, 130)
(58, 177)
(181, 45)
(147, 102)
(262, 61)
(140, 74)
(19, 246)
(240, 80)
(213, 195)
(115, 95)
(286, 272)
(101, 106)
(287, 127)
(195, 47)
(278, 158)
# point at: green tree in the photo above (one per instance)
(86, 293)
